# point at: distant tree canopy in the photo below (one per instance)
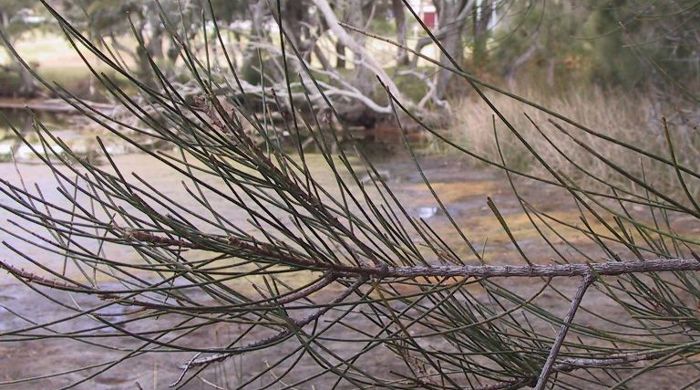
(632, 43)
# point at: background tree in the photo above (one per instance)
(632, 44)
(106, 23)
(449, 317)
(17, 18)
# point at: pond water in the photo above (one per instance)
(168, 181)
(462, 189)
(22, 120)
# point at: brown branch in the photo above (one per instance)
(154, 239)
(273, 252)
(540, 270)
(383, 271)
(303, 293)
(30, 277)
(559, 340)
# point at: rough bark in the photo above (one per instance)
(452, 18)
(383, 271)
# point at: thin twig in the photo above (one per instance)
(559, 340)
(567, 365)
(512, 384)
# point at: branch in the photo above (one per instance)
(272, 253)
(567, 365)
(554, 352)
(512, 384)
(535, 270)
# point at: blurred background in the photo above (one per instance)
(640, 53)
(617, 66)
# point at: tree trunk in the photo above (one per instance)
(550, 72)
(452, 18)
(340, 55)
(482, 19)
(155, 44)
(294, 16)
(397, 9)
(325, 64)
(356, 45)
(27, 86)
(363, 77)
(250, 58)
(512, 70)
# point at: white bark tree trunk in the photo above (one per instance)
(362, 57)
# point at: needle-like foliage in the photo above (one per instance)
(339, 275)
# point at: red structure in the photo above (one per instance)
(429, 18)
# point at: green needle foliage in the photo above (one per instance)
(342, 273)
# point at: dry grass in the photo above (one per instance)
(632, 119)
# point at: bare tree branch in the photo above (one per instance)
(559, 340)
